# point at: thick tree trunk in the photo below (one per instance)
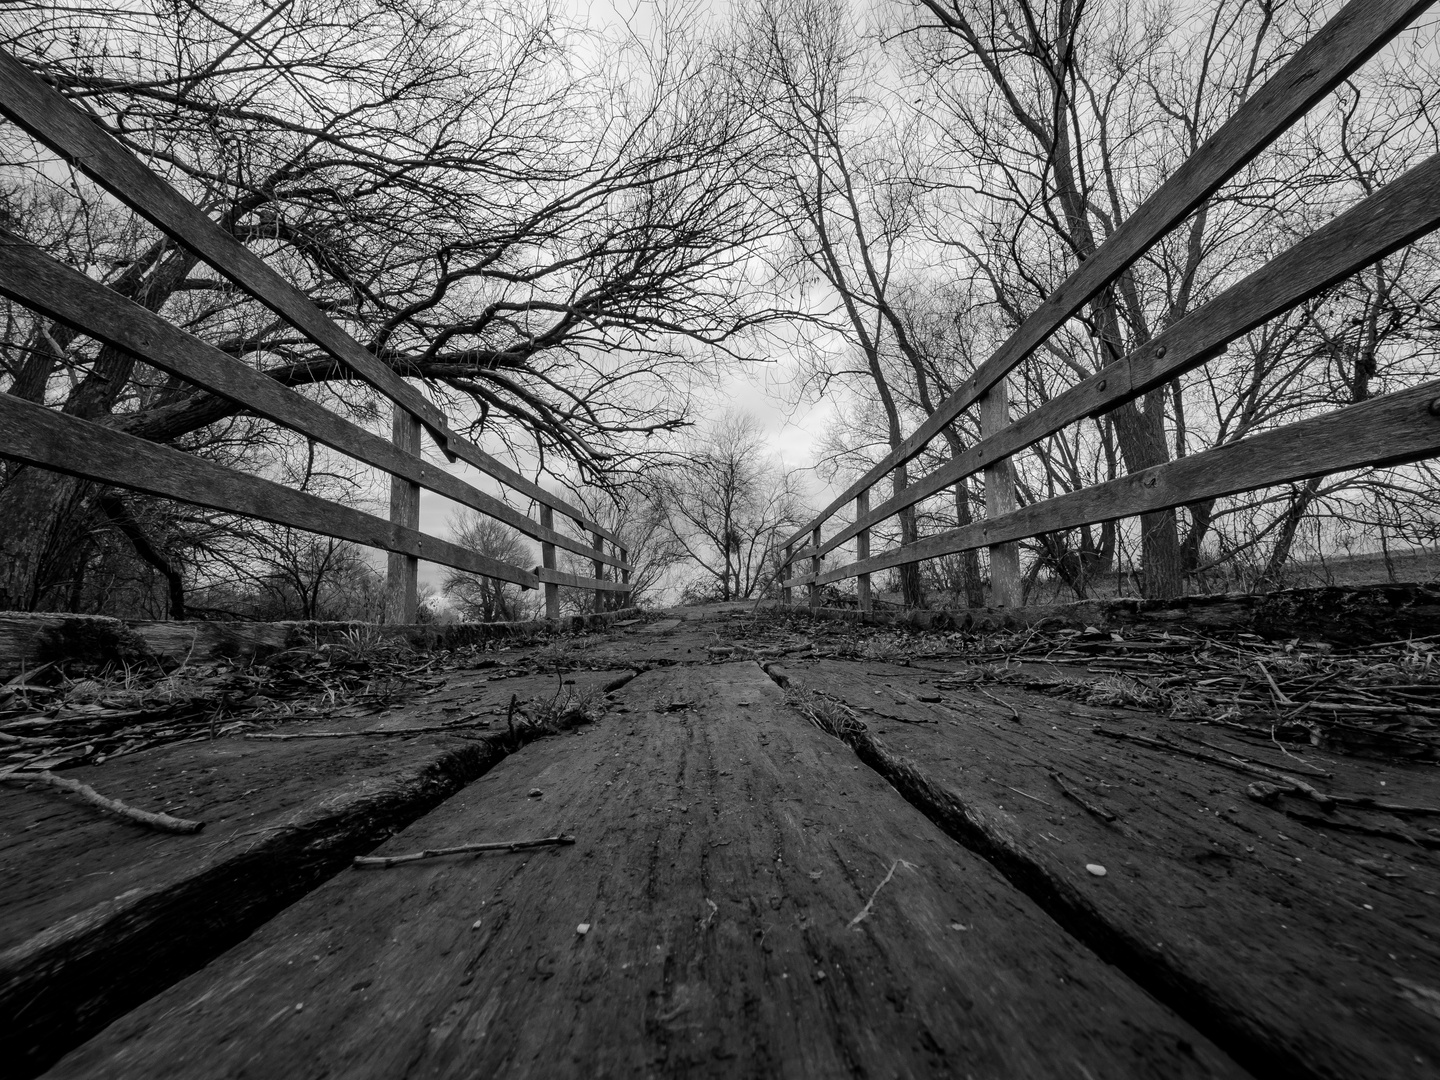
(1142, 445)
(46, 519)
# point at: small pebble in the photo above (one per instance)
(1096, 869)
(475, 925)
(535, 793)
(958, 926)
(299, 1006)
(583, 928)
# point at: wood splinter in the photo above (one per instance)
(1089, 807)
(382, 862)
(162, 822)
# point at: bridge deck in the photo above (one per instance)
(820, 867)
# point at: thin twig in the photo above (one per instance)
(869, 904)
(386, 861)
(275, 737)
(1014, 712)
(162, 822)
(1090, 808)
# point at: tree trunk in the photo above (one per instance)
(47, 517)
(1289, 526)
(1142, 445)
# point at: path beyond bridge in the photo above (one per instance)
(856, 853)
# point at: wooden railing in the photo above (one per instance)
(1393, 429)
(48, 439)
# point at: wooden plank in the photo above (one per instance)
(402, 572)
(740, 902)
(1292, 947)
(32, 278)
(1395, 428)
(547, 555)
(52, 440)
(863, 600)
(1005, 589)
(814, 571)
(1356, 33)
(552, 578)
(98, 915)
(1397, 215)
(597, 571)
(47, 117)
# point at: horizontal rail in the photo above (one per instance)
(1355, 34)
(576, 581)
(32, 278)
(46, 116)
(1390, 430)
(52, 440)
(1397, 215)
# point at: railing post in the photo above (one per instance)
(1000, 499)
(599, 542)
(862, 551)
(402, 572)
(624, 577)
(815, 569)
(547, 559)
(787, 594)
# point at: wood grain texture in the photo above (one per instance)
(52, 440)
(402, 572)
(1005, 586)
(1350, 38)
(577, 581)
(752, 906)
(1395, 216)
(1388, 430)
(42, 284)
(98, 915)
(1289, 945)
(47, 117)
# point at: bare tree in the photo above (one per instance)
(482, 599)
(728, 506)
(544, 227)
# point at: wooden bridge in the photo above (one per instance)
(791, 849)
(737, 842)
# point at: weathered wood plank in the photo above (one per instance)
(740, 902)
(32, 278)
(547, 556)
(1005, 586)
(1395, 216)
(862, 552)
(402, 572)
(1350, 38)
(97, 915)
(576, 581)
(47, 117)
(53, 440)
(1295, 948)
(1395, 428)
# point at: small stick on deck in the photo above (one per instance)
(383, 862)
(1089, 808)
(373, 732)
(162, 822)
(1014, 712)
